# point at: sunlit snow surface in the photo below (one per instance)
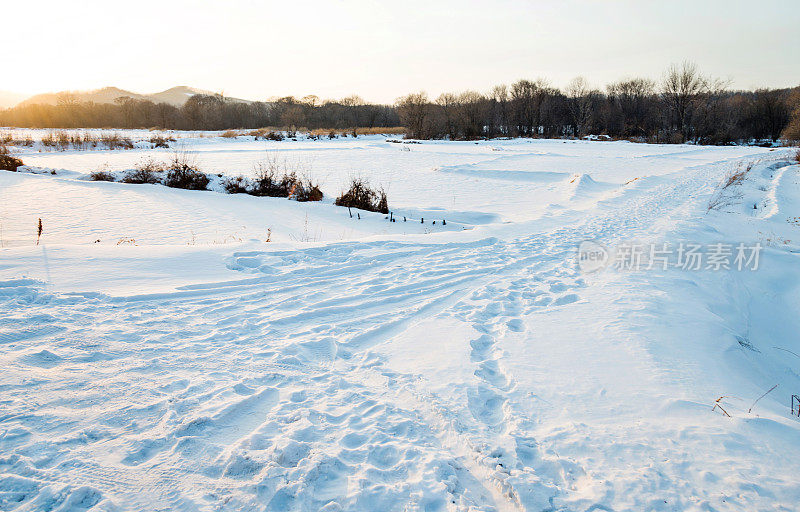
(159, 354)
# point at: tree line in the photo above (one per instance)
(684, 105)
(203, 112)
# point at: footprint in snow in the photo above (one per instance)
(566, 299)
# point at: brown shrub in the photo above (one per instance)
(792, 130)
(306, 190)
(266, 134)
(274, 178)
(361, 196)
(62, 139)
(182, 172)
(238, 185)
(101, 176)
(161, 141)
(148, 171)
(8, 162)
(116, 141)
(49, 140)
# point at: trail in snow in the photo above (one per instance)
(274, 391)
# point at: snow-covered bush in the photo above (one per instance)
(268, 182)
(182, 172)
(285, 185)
(238, 185)
(102, 175)
(274, 180)
(361, 196)
(266, 134)
(8, 162)
(161, 141)
(147, 171)
(186, 177)
(306, 190)
(116, 141)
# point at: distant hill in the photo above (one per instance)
(175, 96)
(10, 99)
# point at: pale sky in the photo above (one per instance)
(382, 50)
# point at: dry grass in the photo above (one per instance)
(268, 133)
(319, 133)
(262, 132)
(736, 177)
(722, 197)
(64, 140)
(116, 141)
(159, 140)
(8, 139)
(376, 130)
(332, 133)
(230, 134)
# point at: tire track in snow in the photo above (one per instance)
(234, 341)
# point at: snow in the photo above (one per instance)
(184, 363)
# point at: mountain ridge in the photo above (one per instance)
(9, 99)
(176, 96)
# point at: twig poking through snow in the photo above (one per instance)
(719, 404)
(759, 398)
(787, 350)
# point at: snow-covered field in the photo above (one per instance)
(159, 354)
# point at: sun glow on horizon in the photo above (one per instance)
(380, 51)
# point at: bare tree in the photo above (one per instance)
(499, 121)
(414, 110)
(522, 106)
(580, 102)
(681, 87)
(713, 119)
(448, 105)
(769, 112)
(352, 104)
(473, 110)
(634, 100)
(528, 99)
(311, 100)
(792, 130)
